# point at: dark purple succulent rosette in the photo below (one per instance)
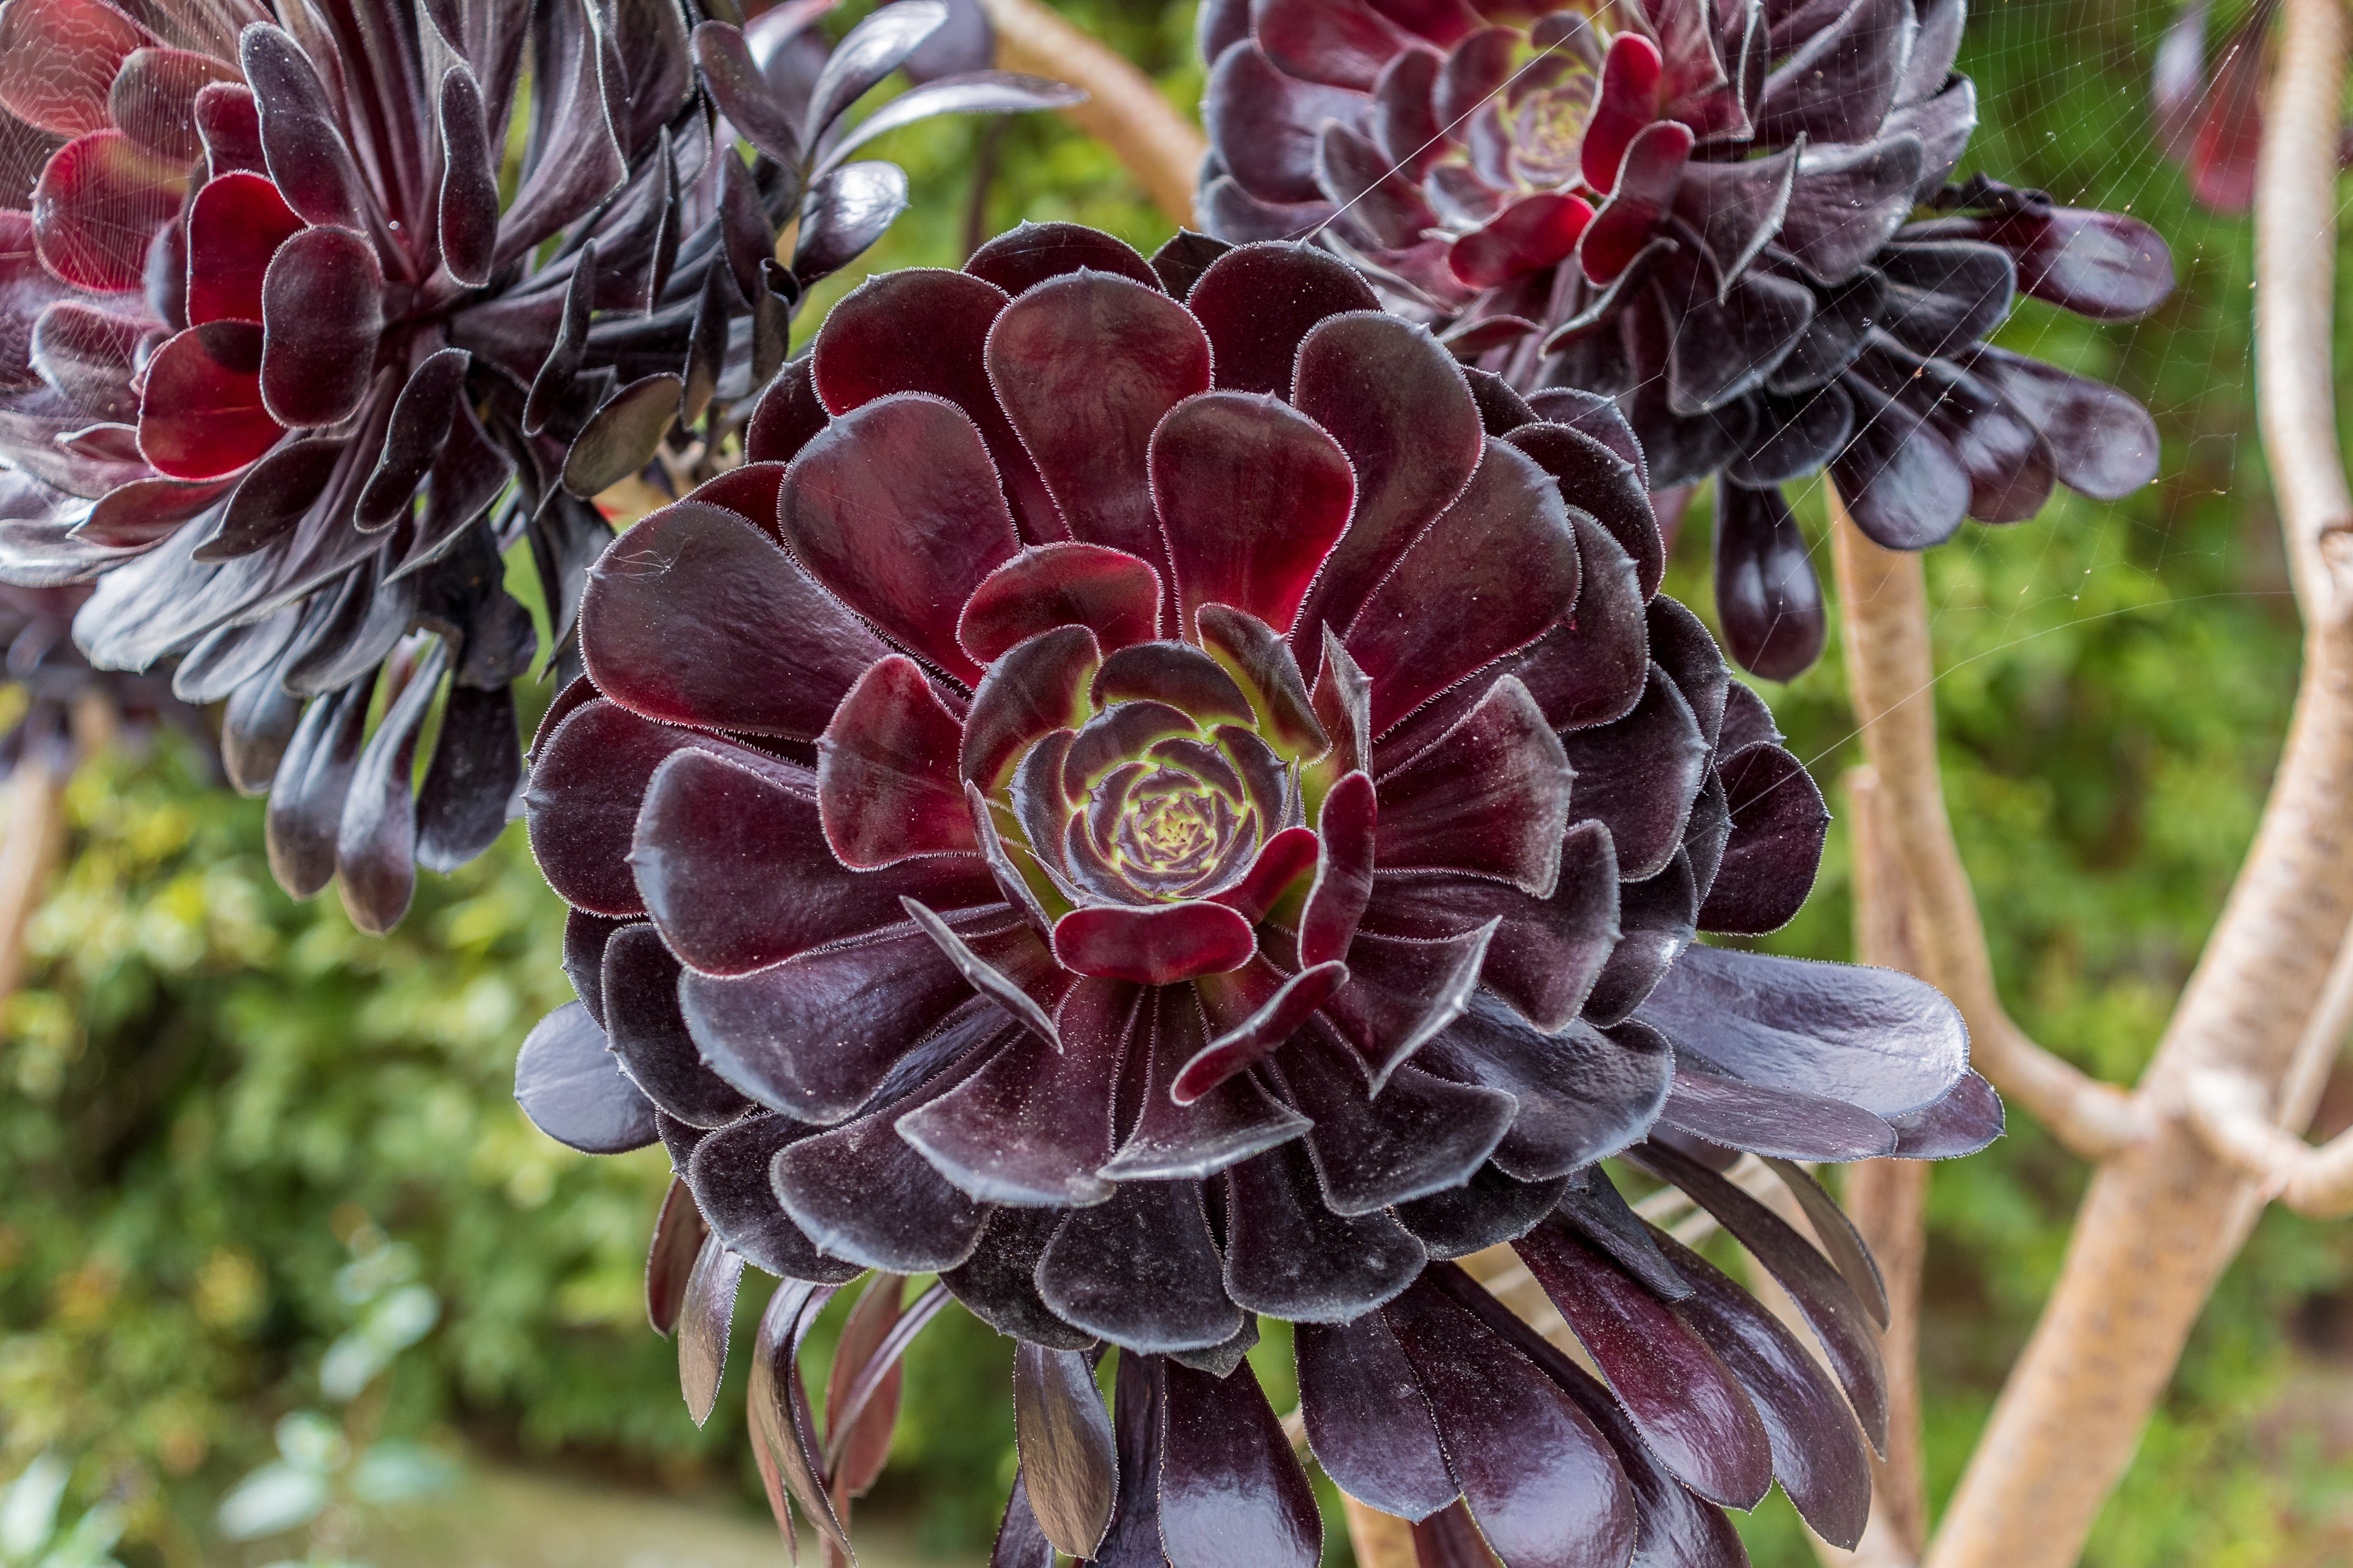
(1158, 797)
(1509, 169)
(1701, 212)
(293, 373)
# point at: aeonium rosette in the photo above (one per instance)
(294, 348)
(1700, 209)
(1156, 798)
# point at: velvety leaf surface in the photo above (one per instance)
(728, 1174)
(1250, 496)
(1288, 1255)
(733, 866)
(321, 312)
(886, 772)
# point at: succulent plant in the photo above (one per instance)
(1700, 210)
(294, 359)
(1158, 797)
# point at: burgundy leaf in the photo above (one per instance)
(1035, 1124)
(1504, 553)
(1544, 954)
(641, 1019)
(1037, 686)
(1772, 1122)
(1691, 1413)
(1155, 946)
(321, 312)
(728, 1174)
(1030, 253)
(469, 205)
(1670, 1524)
(200, 416)
(1251, 496)
(622, 436)
(58, 60)
(677, 1238)
(1259, 303)
(308, 160)
(696, 619)
(1817, 1455)
(375, 843)
(1230, 1490)
(1264, 121)
(1141, 1270)
(1637, 775)
(1849, 200)
(421, 423)
(1087, 367)
(1779, 822)
(1112, 593)
(732, 860)
(895, 508)
(1828, 1306)
(1871, 1037)
(1289, 1255)
(1367, 1422)
(1542, 1484)
(705, 1319)
(846, 211)
(814, 1035)
(236, 225)
(732, 76)
(587, 780)
(861, 1193)
(1597, 480)
(1489, 796)
(886, 773)
(1254, 1019)
(1488, 1210)
(1225, 1124)
(999, 1282)
(306, 798)
(102, 197)
(1581, 1095)
(1421, 1135)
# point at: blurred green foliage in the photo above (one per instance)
(207, 1090)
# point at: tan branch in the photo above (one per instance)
(1381, 1540)
(2232, 1113)
(2165, 1217)
(1888, 1200)
(1124, 110)
(1882, 605)
(28, 849)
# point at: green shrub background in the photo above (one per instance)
(205, 1086)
